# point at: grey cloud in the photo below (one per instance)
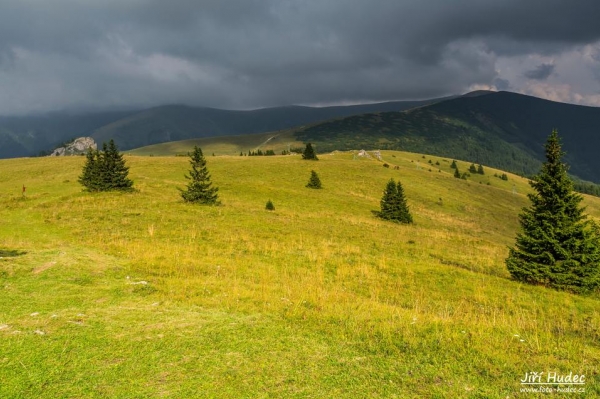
(541, 72)
(254, 53)
(501, 84)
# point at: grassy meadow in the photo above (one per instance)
(143, 296)
(227, 145)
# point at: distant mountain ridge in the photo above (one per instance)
(501, 129)
(28, 136)
(22, 136)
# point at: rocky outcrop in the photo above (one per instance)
(76, 147)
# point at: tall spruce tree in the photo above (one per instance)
(199, 189)
(393, 204)
(480, 170)
(112, 168)
(557, 246)
(309, 153)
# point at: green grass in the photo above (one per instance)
(225, 145)
(141, 295)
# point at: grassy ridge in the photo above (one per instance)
(227, 145)
(140, 295)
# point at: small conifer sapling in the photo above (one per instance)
(270, 206)
(314, 181)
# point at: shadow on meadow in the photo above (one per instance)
(10, 253)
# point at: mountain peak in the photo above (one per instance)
(477, 93)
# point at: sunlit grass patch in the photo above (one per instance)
(141, 295)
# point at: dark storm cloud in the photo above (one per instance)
(253, 53)
(541, 72)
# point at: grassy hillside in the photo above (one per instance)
(506, 130)
(226, 145)
(141, 295)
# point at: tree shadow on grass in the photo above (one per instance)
(9, 253)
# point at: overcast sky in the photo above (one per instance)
(244, 54)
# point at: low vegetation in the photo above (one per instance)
(143, 295)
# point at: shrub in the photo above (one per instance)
(314, 181)
(270, 206)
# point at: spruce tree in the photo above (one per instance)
(405, 216)
(480, 170)
(113, 171)
(457, 173)
(199, 189)
(557, 246)
(90, 176)
(393, 204)
(309, 153)
(314, 181)
(453, 165)
(473, 168)
(389, 201)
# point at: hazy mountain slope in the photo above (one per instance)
(9, 147)
(28, 135)
(178, 122)
(504, 130)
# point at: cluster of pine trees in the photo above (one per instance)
(472, 170)
(259, 153)
(105, 170)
